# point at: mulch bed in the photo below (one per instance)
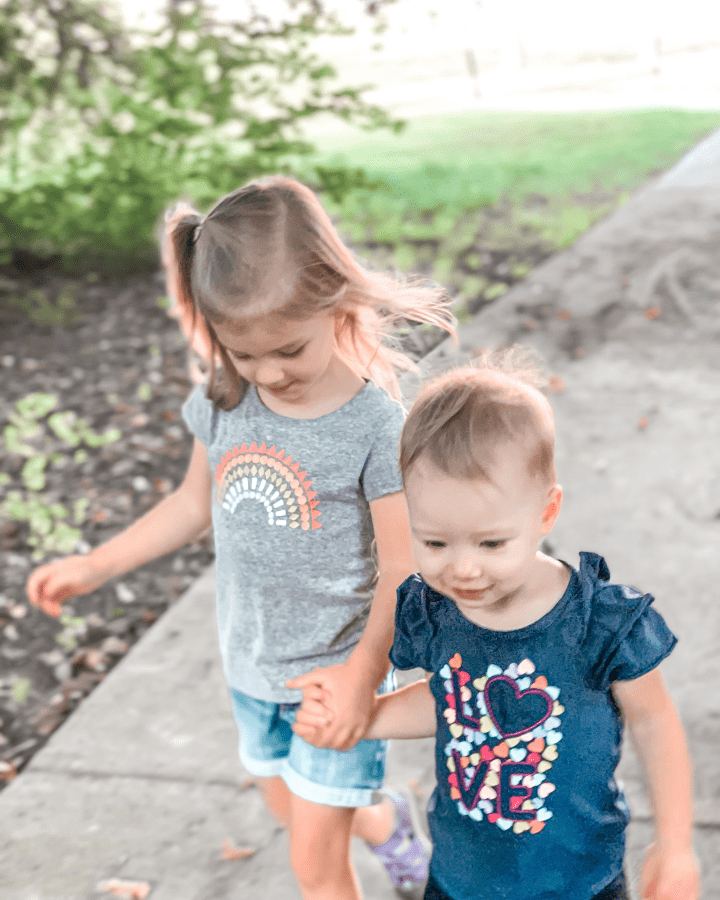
(108, 368)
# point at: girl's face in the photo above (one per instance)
(475, 541)
(288, 360)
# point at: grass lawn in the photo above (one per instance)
(477, 199)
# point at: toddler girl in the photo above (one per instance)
(295, 465)
(536, 667)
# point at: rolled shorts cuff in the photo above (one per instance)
(262, 768)
(298, 784)
(327, 795)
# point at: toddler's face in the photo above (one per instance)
(476, 541)
(285, 359)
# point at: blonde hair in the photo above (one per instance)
(271, 247)
(462, 419)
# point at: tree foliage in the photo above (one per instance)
(101, 127)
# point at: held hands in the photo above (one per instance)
(336, 708)
(50, 585)
(669, 875)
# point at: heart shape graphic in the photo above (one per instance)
(515, 712)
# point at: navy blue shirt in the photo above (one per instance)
(528, 736)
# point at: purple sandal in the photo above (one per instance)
(406, 853)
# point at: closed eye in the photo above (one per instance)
(434, 545)
(290, 354)
(494, 545)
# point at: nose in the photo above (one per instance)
(466, 564)
(268, 372)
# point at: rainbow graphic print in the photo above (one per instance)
(268, 477)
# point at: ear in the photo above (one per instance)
(552, 509)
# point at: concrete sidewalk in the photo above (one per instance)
(142, 783)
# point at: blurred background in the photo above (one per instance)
(467, 141)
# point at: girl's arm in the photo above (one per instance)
(670, 870)
(178, 519)
(349, 688)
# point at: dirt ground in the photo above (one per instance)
(97, 368)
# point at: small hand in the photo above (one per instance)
(669, 875)
(313, 717)
(347, 698)
(49, 586)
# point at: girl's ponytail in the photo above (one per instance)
(182, 230)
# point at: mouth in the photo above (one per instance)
(281, 389)
(462, 594)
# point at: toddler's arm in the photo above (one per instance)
(407, 713)
(348, 689)
(178, 519)
(670, 871)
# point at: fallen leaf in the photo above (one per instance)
(555, 385)
(579, 352)
(530, 325)
(247, 783)
(230, 851)
(162, 485)
(8, 771)
(643, 423)
(127, 890)
(652, 312)
(564, 315)
(114, 646)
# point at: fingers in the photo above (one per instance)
(302, 682)
(44, 594)
(314, 714)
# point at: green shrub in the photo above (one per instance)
(97, 139)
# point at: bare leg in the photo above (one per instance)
(374, 824)
(320, 851)
(277, 797)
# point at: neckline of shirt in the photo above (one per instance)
(572, 590)
(364, 390)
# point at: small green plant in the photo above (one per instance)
(45, 437)
(20, 689)
(38, 307)
(74, 627)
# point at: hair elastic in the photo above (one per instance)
(198, 229)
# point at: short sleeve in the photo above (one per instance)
(381, 474)
(414, 629)
(645, 646)
(625, 638)
(198, 413)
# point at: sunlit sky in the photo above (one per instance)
(427, 25)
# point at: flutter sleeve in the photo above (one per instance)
(198, 414)
(626, 637)
(414, 630)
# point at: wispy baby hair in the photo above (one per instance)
(270, 247)
(461, 420)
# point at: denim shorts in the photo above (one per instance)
(269, 747)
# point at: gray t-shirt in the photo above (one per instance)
(293, 531)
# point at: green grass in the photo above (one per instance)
(524, 184)
(455, 160)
